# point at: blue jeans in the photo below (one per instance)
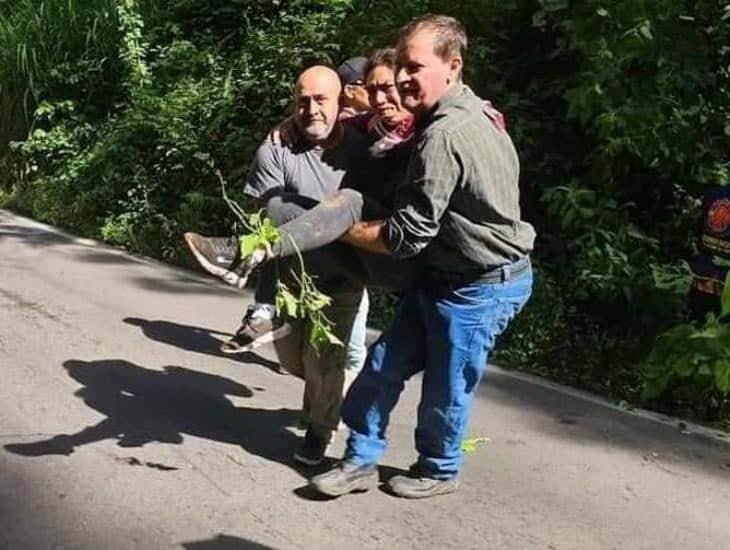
(447, 333)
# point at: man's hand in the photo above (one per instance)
(368, 236)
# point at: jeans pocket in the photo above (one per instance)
(473, 294)
(508, 308)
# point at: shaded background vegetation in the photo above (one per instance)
(620, 111)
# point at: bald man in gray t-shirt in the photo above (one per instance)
(300, 175)
(311, 167)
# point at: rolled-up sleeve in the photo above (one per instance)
(433, 174)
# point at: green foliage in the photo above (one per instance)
(620, 111)
(643, 111)
(309, 303)
(133, 49)
(382, 306)
(55, 49)
(696, 356)
(261, 234)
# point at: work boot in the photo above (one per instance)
(312, 449)
(346, 477)
(256, 330)
(418, 484)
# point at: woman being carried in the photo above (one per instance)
(306, 225)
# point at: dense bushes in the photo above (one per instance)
(619, 110)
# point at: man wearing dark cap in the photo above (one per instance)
(354, 96)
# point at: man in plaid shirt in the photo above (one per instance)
(459, 211)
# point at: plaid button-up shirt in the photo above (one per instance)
(459, 203)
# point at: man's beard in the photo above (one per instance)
(316, 131)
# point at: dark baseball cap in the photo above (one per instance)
(352, 70)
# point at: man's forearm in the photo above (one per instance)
(368, 236)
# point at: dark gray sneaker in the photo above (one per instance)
(346, 477)
(221, 256)
(418, 484)
(312, 449)
(255, 331)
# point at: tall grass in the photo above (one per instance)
(37, 37)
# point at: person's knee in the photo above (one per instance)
(347, 198)
(284, 207)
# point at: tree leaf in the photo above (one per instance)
(645, 30)
(472, 444)
(725, 300)
(318, 301)
(286, 302)
(722, 375)
(248, 244)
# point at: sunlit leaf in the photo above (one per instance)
(472, 444)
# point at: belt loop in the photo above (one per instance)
(506, 273)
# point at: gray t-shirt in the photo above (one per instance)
(310, 171)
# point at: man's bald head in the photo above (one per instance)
(320, 77)
(317, 96)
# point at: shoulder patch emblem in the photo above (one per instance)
(718, 216)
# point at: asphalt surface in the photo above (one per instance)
(121, 426)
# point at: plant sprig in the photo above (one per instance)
(309, 303)
(470, 445)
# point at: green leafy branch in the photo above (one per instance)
(133, 48)
(309, 302)
(698, 353)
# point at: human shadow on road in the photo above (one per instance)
(144, 405)
(225, 542)
(197, 339)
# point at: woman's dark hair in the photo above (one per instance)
(384, 57)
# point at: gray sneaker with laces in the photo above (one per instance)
(418, 484)
(221, 256)
(346, 477)
(255, 330)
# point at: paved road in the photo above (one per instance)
(122, 427)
